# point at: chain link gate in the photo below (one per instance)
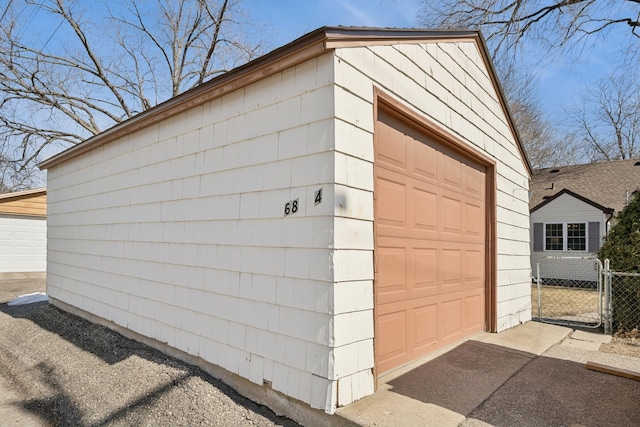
(569, 291)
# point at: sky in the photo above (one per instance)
(296, 17)
(559, 82)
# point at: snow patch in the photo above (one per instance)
(29, 298)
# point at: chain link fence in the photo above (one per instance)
(584, 292)
(623, 309)
(568, 291)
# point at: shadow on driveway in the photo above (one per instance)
(506, 387)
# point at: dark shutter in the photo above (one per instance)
(538, 237)
(594, 236)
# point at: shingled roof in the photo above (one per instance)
(603, 183)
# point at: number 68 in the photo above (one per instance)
(291, 207)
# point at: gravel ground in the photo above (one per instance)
(626, 343)
(64, 371)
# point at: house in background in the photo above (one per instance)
(23, 231)
(573, 207)
(308, 222)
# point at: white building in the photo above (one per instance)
(308, 222)
(23, 231)
(572, 209)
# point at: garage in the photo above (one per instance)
(306, 222)
(430, 231)
(23, 231)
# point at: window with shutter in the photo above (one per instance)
(538, 237)
(572, 236)
(594, 236)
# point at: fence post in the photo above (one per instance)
(607, 297)
(539, 283)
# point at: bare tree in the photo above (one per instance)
(557, 23)
(13, 177)
(607, 118)
(516, 30)
(105, 62)
(539, 136)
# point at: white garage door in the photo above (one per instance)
(23, 244)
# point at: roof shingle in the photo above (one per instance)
(605, 183)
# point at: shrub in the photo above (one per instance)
(622, 248)
(622, 245)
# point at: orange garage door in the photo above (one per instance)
(430, 244)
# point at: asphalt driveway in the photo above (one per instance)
(506, 387)
(531, 375)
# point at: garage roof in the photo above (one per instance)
(22, 194)
(27, 202)
(302, 49)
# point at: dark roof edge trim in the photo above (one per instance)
(577, 196)
(23, 194)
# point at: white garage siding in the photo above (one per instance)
(178, 230)
(23, 244)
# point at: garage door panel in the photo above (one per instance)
(393, 212)
(451, 172)
(390, 149)
(406, 272)
(425, 331)
(450, 263)
(392, 325)
(473, 221)
(450, 318)
(473, 266)
(473, 313)
(392, 274)
(474, 182)
(415, 329)
(419, 210)
(425, 217)
(451, 218)
(459, 218)
(425, 161)
(417, 218)
(425, 267)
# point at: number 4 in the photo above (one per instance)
(318, 197)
